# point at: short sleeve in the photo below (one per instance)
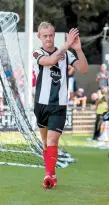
(71, 57)
(37, 54)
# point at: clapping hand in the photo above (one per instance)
(73, 37)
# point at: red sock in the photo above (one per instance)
(52, 154)
(45, 157)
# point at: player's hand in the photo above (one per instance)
(71, 36)
(76, 45)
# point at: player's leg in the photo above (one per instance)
(50, 179)
(52, 148)
(42, 114)
(56, 124)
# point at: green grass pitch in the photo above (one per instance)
(85, 182)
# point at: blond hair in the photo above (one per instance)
(45, 25)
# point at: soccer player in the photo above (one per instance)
(51, 91)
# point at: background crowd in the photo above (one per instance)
(98, 99)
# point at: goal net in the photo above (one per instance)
(21, 147)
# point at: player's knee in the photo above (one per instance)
(53, 139)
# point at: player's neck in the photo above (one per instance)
(48, 49)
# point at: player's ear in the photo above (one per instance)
(38, 35)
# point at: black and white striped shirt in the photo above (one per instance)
(52, 81)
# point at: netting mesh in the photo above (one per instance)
(10, 50)
(14, 151)
(23, 147)
(25, 140)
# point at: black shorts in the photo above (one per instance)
(51, 116)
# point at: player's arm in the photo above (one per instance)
(52, 59)
(70, 70)
(57, 55)
(81, 64)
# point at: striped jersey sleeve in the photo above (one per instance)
(37, 54)
(71, 57)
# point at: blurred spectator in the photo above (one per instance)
(102, 76)
(80, 99)
(101, 108)
(8, 71)
(71, 84)
(16, 81)
(104, 130)
(9, 74)
(105, 91)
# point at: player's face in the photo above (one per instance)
(47, 37)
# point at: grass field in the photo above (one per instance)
(82, 183)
